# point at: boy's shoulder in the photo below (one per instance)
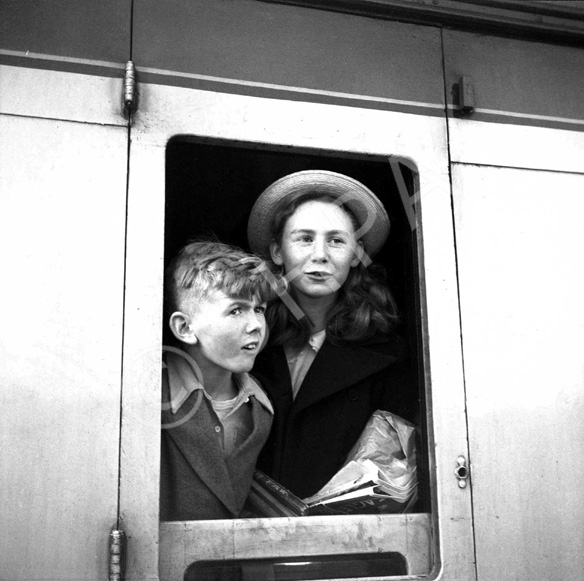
(179, 379)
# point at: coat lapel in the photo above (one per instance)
(280, 391)
(260, 429)
(336, 368)
(206, 459)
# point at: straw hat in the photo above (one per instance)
(369, 211)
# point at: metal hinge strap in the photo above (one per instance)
(130, 96)
(117, 555)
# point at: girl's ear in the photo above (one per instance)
(359, 251)
(276, 254)
(182, 329)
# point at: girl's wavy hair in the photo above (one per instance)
(364, 306)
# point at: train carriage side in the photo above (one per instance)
(470, 126)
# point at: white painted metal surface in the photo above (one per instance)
(296, 124)
(62, 252)
(519, 241)
(408, 535)
(62, 210)
(513, 146)
(59, 95)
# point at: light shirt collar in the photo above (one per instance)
(317, 340)
(182, 382)
(300, 360)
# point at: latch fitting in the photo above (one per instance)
(466, 97)
(461, 472)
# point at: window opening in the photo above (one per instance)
(211, 186)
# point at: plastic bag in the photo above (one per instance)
(389, 442)
(379, 474)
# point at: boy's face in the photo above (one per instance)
(229, 333)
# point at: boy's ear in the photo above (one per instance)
(359, 250)
(181, 327)
(275, 253)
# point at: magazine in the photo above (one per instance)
(368, 500)
(268, 498)
(379, 477)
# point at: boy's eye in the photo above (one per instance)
(235, 311)
(305, 238)
(337, 241)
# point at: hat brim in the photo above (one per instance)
(363, 203)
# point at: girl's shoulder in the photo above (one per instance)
(391, 342)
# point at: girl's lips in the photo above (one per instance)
(251, 346)
(318, 274)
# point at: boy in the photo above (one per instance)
(215, 417)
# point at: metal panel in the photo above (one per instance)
(516, 146)
(288, 52)
(61, 95)
(290, 124)
(561, 22)
(248, 539)
(516, 81)
(519, 244)
(82, 30)
(62, 210)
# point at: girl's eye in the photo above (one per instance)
(235, 311)
(337, 241)
(261, 309)
(305, 238)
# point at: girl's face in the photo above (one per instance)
(318, 248)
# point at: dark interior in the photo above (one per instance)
(211, 187)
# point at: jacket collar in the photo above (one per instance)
(335, 368)
(182, 382)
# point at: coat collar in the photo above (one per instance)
(335, 368)
(182, 382)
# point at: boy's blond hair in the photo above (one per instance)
(205, 267)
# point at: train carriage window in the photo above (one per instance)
(211, 186)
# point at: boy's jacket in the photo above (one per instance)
(196, 480)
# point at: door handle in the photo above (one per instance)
(461, 472)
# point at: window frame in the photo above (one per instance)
(280, 123)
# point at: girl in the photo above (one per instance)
(333, 357)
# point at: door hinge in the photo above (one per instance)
(130, 93)
(117, 555)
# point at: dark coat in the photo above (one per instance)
(312, 435)
(196, 480)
